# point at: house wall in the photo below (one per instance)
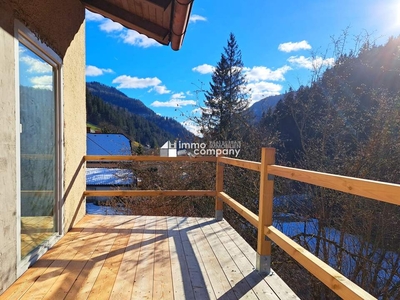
(60, 24)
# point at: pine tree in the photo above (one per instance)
(139, 150)
(227, 98)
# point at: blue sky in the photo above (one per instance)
(280, 41)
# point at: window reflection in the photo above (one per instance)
(37, 149)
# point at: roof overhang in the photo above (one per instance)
(162, 20)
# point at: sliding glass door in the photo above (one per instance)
(38, 148)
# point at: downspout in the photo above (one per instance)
(180, 20)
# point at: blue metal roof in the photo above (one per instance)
(107, 144)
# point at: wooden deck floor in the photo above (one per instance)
(139, 257)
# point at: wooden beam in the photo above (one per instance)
(148, 158)
(246, 164)
(149, 193)
(338, 283)
(239, 208)
(265, 201)
(381, 191)
(129, 19)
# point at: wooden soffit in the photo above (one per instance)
(162, 20)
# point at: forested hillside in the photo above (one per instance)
(111, 118)
(144, 130)
(351, 112)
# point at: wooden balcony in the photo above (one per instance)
(139, 257)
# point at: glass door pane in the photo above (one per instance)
(37, 149)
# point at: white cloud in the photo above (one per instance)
(161, 89)
(128, 82)
(35, 65)
(310, 62)
(289, 47)
(204, 69)
(132, 37)
(95, 71)
(259, 73)
(195, 18)
(262, 89)
(90, 16)
(180, 95)
(177, 100)
(173, 103)
(42, 82)
(110, 26)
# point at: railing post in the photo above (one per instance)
(263, 262)
(219, 187)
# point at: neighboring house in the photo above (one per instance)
(43, 115)
(108, 144)
(103, 175)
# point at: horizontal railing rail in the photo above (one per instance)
(338, 283)
(376, 190)
(106, 158)
(149, 193)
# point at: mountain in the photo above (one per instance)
(115, 97)
(259, 107)
(110, 108)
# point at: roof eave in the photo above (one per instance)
(129, 20)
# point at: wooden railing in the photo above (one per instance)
(380, 191)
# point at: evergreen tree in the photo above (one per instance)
(227, 99)
(139, 150)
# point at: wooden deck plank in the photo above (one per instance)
(219, 282)
(124, 282)
(87, 278)
(222, 249)
(142, 257)
(254, 279)
(181, 281)
(64, 282)
(201, 283)
(108, 273)
(162, 287)
(280, 288)
(143, 287)
(46, 280)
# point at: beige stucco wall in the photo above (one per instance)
(74, 128)
(8, 195)
(60, 24)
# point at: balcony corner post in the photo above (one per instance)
(263, 259)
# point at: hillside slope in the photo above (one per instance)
(114, 97)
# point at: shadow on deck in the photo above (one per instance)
(143, 257)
